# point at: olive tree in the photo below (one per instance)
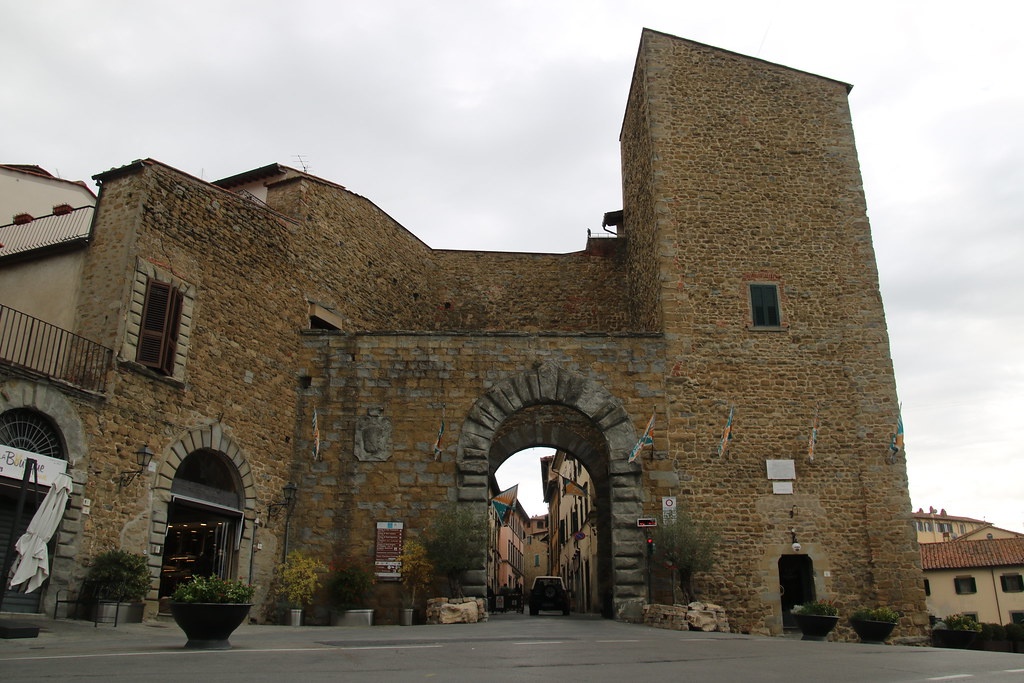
(455, 541)
(687, 546)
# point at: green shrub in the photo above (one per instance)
(1014, 632)
(886, 614)
(348, 587)
(821, 608)
(992, 632)
(960, 622)
(214, 589)
(300, 577)
(119, 576)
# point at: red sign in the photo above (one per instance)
(390, 539)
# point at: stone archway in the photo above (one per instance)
(210, 440)
(551, 406)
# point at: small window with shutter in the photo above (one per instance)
(158, 332)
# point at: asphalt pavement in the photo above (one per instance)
(508, 647)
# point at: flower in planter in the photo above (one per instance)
(958, 622)
(214, 589)
(820, 608)
(886, 614)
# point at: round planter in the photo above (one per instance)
(959, 640)
(872, 631)
(295, 617)
(815, 626)
(407, 615)
(207, 625)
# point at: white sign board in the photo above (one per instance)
(782, 487)
(12, 465)
(781, 469)
(668, 507)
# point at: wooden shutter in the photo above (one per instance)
(158, 333)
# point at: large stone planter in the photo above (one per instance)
(959, 640)
(109, 612)
(207, 625)
(872, 631)
(815, 626)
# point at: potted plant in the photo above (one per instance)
(348, 587)
(992, 638)
(300, 577)
(117, 582)
(209, 608)
(417, 575)
(955, 631)
(816, 619)
(874, 625)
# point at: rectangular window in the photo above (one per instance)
(945, 527)
(1012, 583)
(965, 585)
(536, 560)
(158, 334)
(764, 305)
(927, 587)
(1017, 617)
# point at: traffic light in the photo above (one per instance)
(650, 547)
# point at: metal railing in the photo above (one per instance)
(31, 344)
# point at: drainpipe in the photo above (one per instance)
(995, 589)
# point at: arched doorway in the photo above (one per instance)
(24, 433)
(561, 409)
(205, 521)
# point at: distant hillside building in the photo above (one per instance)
(230, 317)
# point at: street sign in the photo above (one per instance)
(646, 521)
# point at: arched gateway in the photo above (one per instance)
(555, 407)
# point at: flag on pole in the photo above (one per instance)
(316, 436)
(723, 447)
(645, 440)
(896, 445)
(813, 441)
(505, 501)
(440, 433)
(571, 488)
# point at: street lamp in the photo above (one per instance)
(143, 457)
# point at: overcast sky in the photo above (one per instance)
(494, 125)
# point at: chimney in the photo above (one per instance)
(23, 218)
(62, 209)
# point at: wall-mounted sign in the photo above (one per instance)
(390, 539)
(646, 521)
(781, 469)
(12, 465)
(668, 508)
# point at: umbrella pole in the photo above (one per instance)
(30, 468)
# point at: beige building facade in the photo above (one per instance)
(983, 578)
(741, 280)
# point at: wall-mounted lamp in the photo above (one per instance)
(288, 503)
(796, 544)
(143, 457)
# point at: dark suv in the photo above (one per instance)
(549, 594)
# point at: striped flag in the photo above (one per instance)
(723, 447)
(316, 436)
(440, 433)
(813, 440)
(896, 445)
(646, 439)
(505, 501)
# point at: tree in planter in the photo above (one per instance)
(417, 571)
(348, 587)
(455, 542)
(688, 547)
(300, 577)
(118, 576)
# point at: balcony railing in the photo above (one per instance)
(29, 343)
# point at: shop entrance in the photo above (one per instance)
(796, 585)
(204, 523)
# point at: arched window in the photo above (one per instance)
(30, 431)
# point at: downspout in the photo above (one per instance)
(999, 609)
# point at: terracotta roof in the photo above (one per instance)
(995, 552)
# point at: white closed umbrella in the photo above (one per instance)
(32, 563)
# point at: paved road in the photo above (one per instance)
(509, 647)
